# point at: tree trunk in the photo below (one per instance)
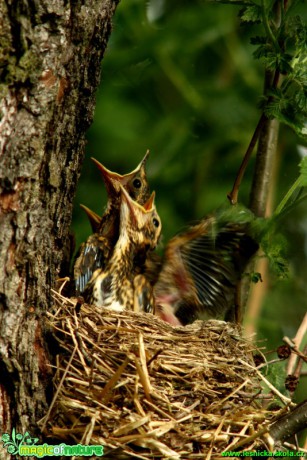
(50, 56)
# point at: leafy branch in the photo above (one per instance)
(282, 48)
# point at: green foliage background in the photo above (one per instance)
(179, 78)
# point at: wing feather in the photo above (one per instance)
(92, 255)
(215, 260)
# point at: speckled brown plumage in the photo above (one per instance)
(119, 285)
(95, 252)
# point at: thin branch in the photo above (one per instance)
(263, 179)
(285, 427)
(233, 195)
(265, 157)
(289, 424)
(295, 349)
(295, 344)
(267, 27)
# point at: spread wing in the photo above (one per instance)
(201, 269)
(216, 260)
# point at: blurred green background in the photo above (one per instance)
(179, 78)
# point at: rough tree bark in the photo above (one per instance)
(50, 56)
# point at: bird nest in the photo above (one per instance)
(144, 389)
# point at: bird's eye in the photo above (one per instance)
(155, 222)
(137, 183)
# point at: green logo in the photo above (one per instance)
(26, 445)
(13, 442)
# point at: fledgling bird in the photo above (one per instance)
(200, 271)
(119, 285)
(135, 183)
(95, 252)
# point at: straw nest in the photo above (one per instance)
(144, 389)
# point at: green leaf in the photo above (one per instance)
(263, 51)
(297, 30)
(251, 14)
(300, 98)
(274, 246)
(294, 121)
(277, 104)
(283, 63)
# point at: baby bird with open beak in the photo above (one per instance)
(96, 251)
(119, 285)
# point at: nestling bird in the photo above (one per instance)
(94, 253)
(136, 185)
(200, 270)
(119, 285)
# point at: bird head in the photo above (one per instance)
(141, 222)
(134, 182)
